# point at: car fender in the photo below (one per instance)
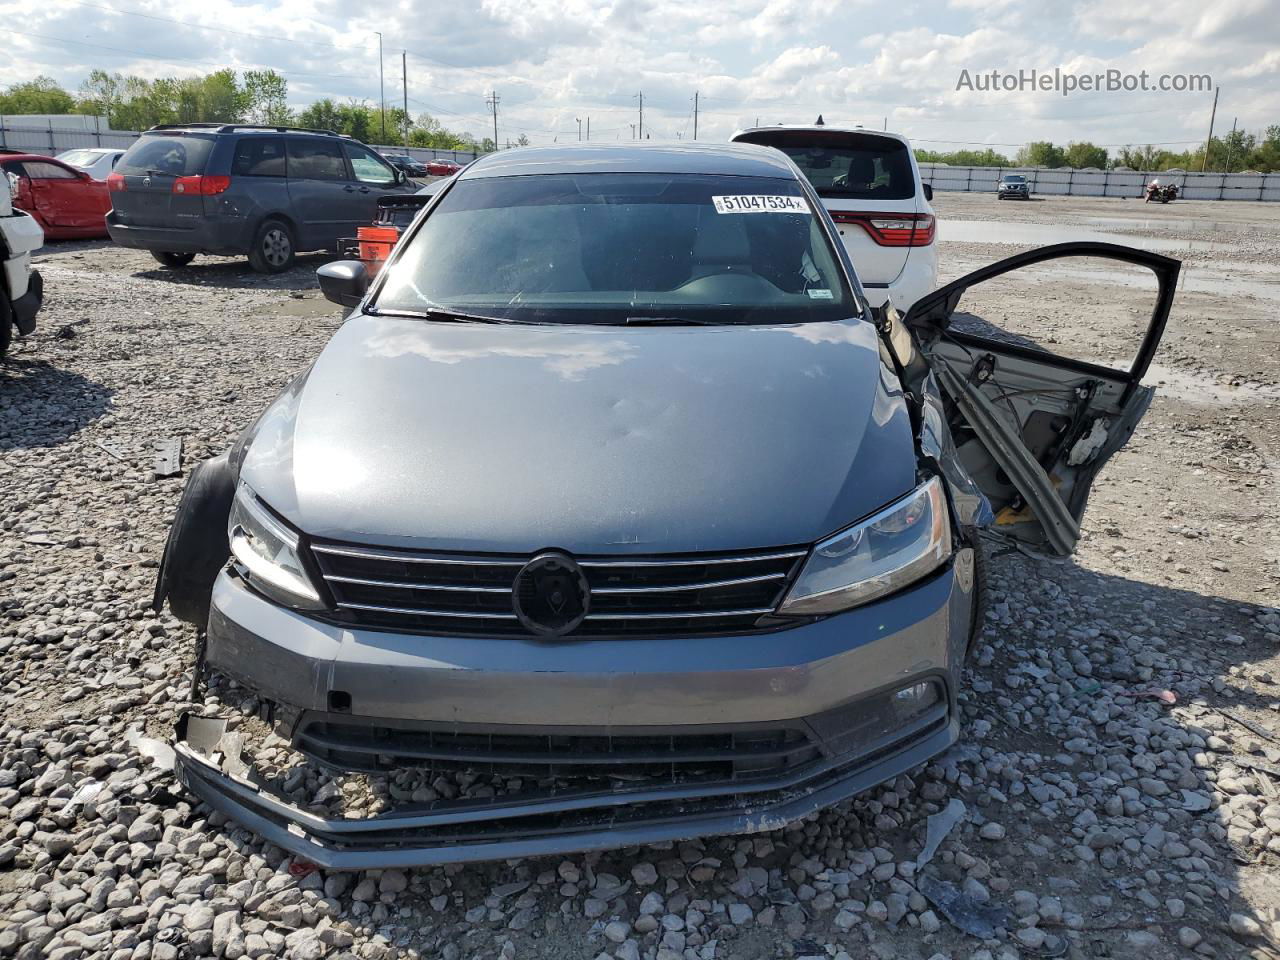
(197, 547)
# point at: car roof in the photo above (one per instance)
(823, 128)
(733, 159)
(42, 157)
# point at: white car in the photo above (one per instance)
(21, 290)
(870, 184)
(98, 162)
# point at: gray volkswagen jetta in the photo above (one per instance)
(613, 492)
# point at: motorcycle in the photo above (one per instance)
(1162, 194)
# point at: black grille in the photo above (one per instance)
(630, 596)
(633, 758)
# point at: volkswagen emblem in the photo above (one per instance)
(551, 594)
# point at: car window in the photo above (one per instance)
(603, 248)
(1012, 179)
(843, 164)
(38, 170)
(259, 157)
(175, 155)
(79, 158)
(366, 165)
(311, 158)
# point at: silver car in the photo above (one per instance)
(613, 489)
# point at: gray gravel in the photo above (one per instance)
(1098, 818)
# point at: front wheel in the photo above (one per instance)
(272, 250)
(172, 260)
(6, 324)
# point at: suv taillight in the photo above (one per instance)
(115, 183)
(205, 186)
(893, 229)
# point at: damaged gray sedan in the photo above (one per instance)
(613, 487)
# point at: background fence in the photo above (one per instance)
(52, 138)
(1107, 183)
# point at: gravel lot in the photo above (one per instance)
(1103, 819)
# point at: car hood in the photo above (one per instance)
(466, 436)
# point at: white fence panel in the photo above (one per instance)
(1107, 183)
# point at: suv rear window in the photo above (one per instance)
(859, 166)
(174, 155)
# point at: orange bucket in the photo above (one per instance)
(375, 245)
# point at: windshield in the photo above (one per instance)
(618, 248)
(1015, 179)
(175, 155)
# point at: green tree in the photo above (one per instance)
(965, 158)
(100, 95)
(41, 95)
(1085, 154)
(1138, 158)
(1041, 153)
(267, 97)
(322, 115)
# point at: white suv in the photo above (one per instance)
(870, 184)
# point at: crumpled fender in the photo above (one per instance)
(197, 547)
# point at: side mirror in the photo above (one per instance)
(344, 281)
(928, 191)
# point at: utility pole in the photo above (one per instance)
(641, 96)
(633, 131)
(695, 114)
(382, 91)
(588, 128)
(1212, 115)
(404, 72)
(1231, 144)
(579, 119)
(492, 101)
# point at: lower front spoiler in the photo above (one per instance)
(498, 829)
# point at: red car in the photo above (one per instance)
(66, 202)
(442, 168)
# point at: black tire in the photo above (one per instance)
(172, 260)
(978, 614)
(197, 547)
(273, 247)
(6, 323)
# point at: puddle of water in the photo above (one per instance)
(1176, 226)
(1175, 384)
(1041, 234)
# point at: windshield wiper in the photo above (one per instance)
(437, 313)
(672, 322)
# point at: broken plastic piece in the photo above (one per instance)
(161, 753)
(938, 827)
(962, 911)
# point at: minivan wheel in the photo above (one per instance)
(172, 260)
(272, 250)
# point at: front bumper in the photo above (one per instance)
(820, 678)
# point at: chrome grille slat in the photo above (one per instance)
(419, 612)
(678, 615)
(709, 585)
(471, 595)
(409, 585)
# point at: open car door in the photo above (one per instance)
(1033, 428)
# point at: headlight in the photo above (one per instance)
(267, 552)
(883, 553)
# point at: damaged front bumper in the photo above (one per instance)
(208, 763)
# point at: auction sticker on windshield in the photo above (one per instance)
(744, 203)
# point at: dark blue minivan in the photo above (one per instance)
(264, 191)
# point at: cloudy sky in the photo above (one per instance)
(555, 61)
